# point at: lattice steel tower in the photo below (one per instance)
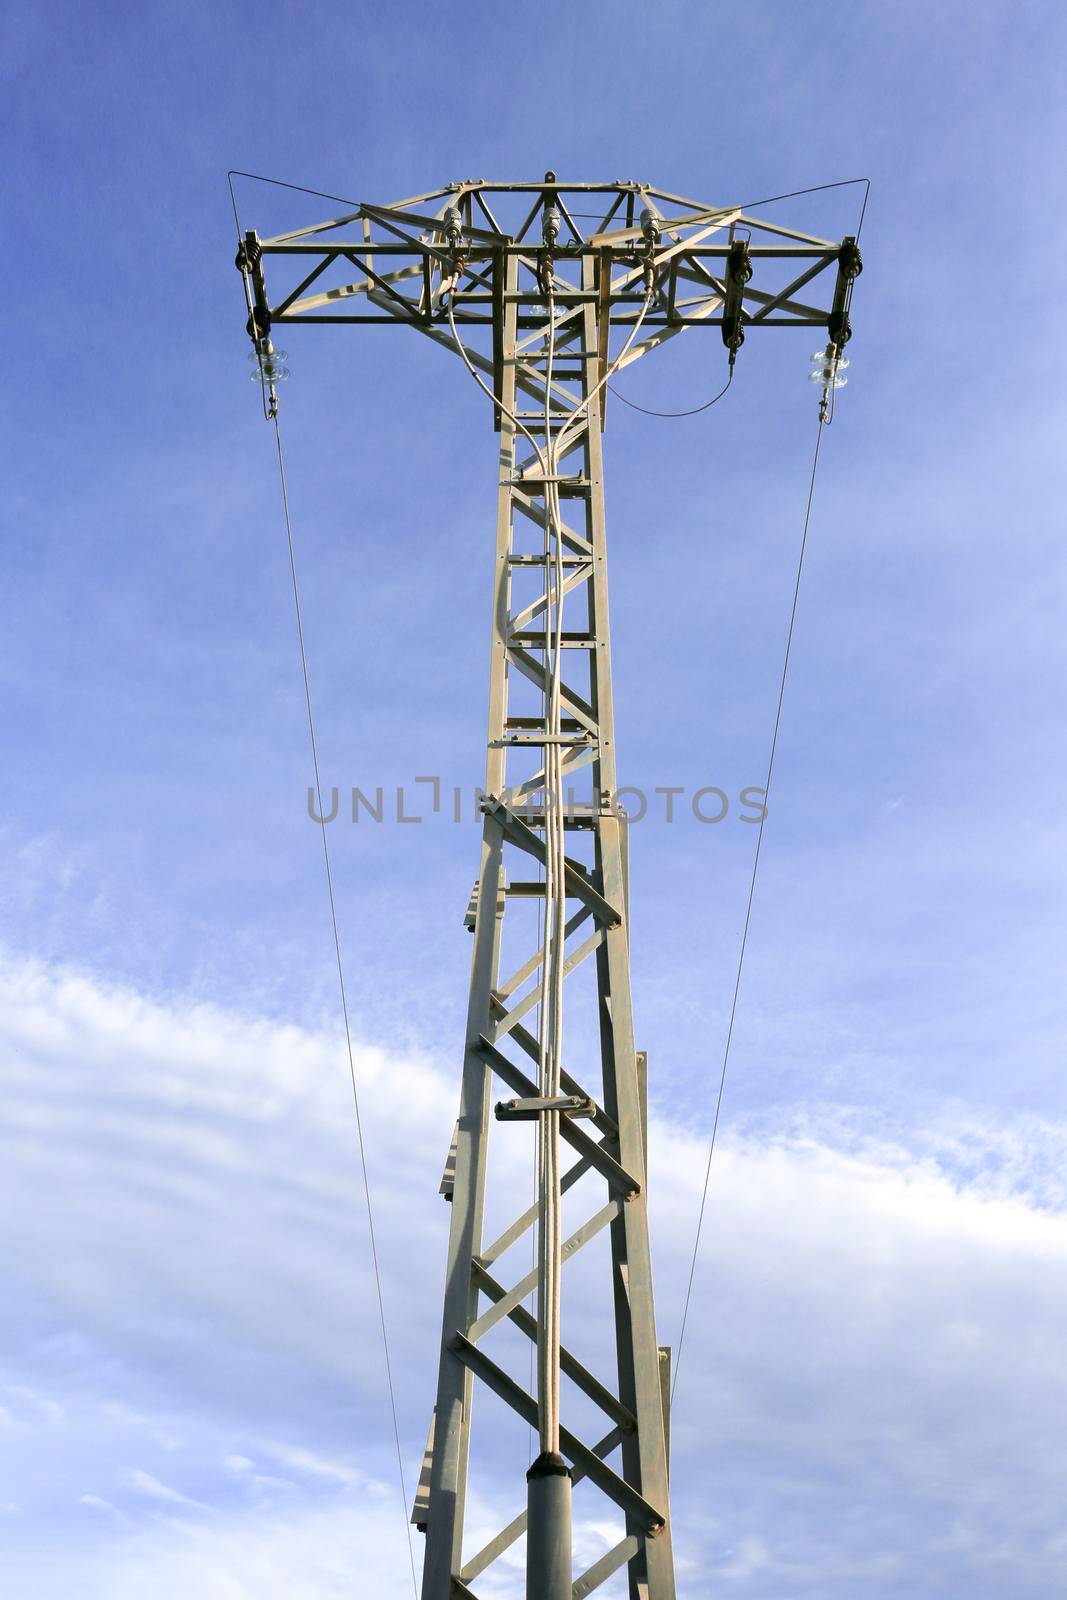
(504, 276)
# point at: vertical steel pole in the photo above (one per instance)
(549, 1572)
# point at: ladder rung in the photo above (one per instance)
(529, 890)
(567, 724)
(541, 477)
(534, 640)
(568, 355)
(557, 421)
(539, 561)
(573, 817)
(537, 739)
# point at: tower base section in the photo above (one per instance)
(549, 1572)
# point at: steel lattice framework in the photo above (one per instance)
(701, 267)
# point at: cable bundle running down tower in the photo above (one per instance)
(531, 308)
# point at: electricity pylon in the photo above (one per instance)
(531, 304)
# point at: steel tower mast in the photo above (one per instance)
(504, 276)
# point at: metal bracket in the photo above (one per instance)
(574, 1105)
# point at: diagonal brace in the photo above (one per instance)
(577, 884)
(574, 1369)
(517, 1526)
(520, 1291)
(607, 1481)
(576, 1137)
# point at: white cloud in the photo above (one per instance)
(312, 1465)
(871, 1394)
(329, 1553)
(28, 1400)
(144, 1483)
(95, 1503)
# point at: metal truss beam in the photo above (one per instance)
(669, 263)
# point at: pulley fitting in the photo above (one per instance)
(839, 328)
(248, 254)
(849, 267)
(849, 260)
(258, 325)
(738, 272)
(739, 262)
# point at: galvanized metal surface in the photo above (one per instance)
(548, 1541)
(405, 260)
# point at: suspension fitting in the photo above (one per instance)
(551, 222)
(650, 230)
(738, 272)
(849, 267)
(849, 260)
(453, 229)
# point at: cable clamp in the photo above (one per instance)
(546, 277)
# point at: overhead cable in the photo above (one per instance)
(748, 905)
(692, 412)
(270, 410)
(344, 1010)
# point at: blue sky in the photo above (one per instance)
(876, 1377)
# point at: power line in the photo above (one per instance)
(272, 415)
(825, 418)
(691, 413)
(748, 906)
(344, 1007)
(278, 183)
(817, 188)
(843, 183)
(346, 200)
